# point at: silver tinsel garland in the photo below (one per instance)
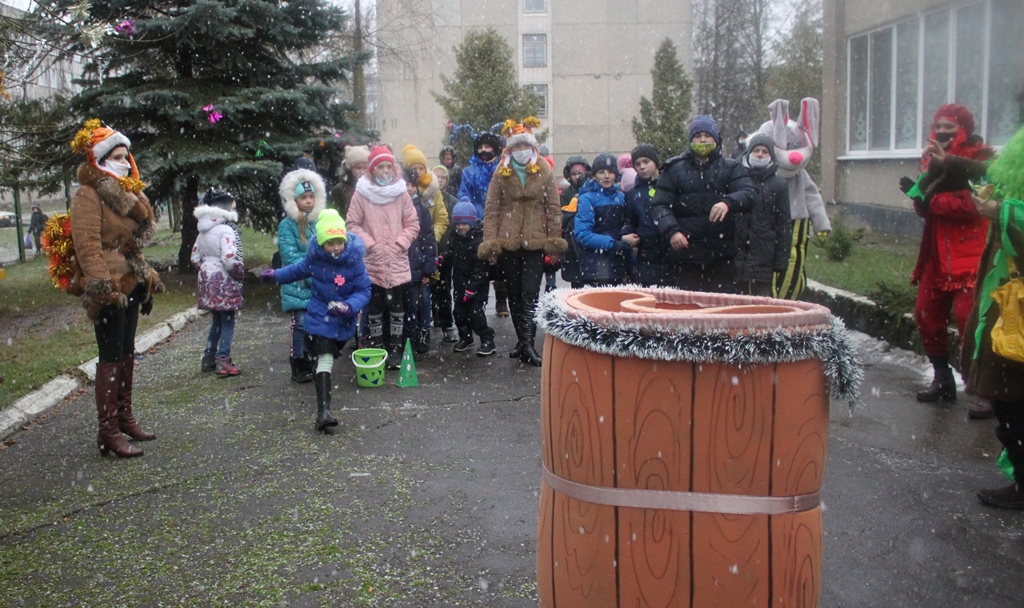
(830, 344)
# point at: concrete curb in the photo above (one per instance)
(24, 410)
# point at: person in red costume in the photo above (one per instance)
(951, 246)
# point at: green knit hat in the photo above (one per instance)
(330, 226)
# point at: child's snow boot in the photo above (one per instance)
(422, 345)
(486, 347)
(301, 370)
(465, 340)
(943, 386)
(325, 421)
(209, 363)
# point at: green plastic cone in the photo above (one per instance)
(407, 373)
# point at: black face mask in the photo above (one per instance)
(485, 156)
(944, 137)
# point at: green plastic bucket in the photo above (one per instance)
(369, 364)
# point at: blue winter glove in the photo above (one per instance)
(339, 309)
(267, 275)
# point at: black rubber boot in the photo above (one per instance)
(517, 352)
(943, 386)
(325, 421)
(301, 370)
(422, 345)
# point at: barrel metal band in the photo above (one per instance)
(682, 501)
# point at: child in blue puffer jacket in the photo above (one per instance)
(340, 289)
(603, 257)
(303, 196)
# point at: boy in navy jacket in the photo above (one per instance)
(469, 277)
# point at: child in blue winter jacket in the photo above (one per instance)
(340, 289)
(303, 196)
(600, 209)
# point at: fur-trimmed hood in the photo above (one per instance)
(212, 216)
(287, 191)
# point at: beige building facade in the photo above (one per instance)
(590, 61)
(890, 65)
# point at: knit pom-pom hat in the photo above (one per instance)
(411, 155)
(378, 155)
(464, 212)
(625, 161)
(705, 124)
(330, 226)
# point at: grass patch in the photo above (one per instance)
(44, 332)
(877, 259)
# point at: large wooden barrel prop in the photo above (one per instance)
(684, 445)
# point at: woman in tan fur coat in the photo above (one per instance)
(111, 221)
(522, 222)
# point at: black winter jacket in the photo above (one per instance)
(468, 271)
(638, 221)
(764, 235)
(423, 252)
(686, 192)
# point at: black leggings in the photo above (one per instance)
(115, 329)
(522, 271)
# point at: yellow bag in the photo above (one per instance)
(1008, 332)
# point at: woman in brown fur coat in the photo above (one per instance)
(522, 222)
(111, 221)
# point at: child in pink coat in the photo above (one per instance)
(383, 215)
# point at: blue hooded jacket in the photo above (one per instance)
(341, 279)
(599, 220)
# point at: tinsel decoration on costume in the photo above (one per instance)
(454, 130)
(512, 130)
(83, 139)
(59, 248)
(830, 344)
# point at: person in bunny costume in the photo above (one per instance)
(794, 144)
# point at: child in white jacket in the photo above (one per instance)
(217, 254)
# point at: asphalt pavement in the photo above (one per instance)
(428, 496)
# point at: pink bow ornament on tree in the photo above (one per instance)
(212, 114)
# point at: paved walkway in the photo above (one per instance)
(428, 496)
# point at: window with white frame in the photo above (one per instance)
(541, 91)
(535, 6)
(900, 74)
(535, 50)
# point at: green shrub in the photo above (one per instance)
(839, 244)
(894, 298)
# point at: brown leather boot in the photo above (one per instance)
(125, 421)
(110, 439)
(981, 410)
(501, 299)
(943, 386)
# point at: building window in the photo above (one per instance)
(535, 50)
(541, 91)
(900, 74)
(535, 6)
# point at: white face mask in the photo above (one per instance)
(118, 169)
(522, 156)
(759, 162)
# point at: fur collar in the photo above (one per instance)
(287, 191)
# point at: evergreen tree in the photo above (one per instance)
(484, 90)
(663, 117)
(215, 92)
